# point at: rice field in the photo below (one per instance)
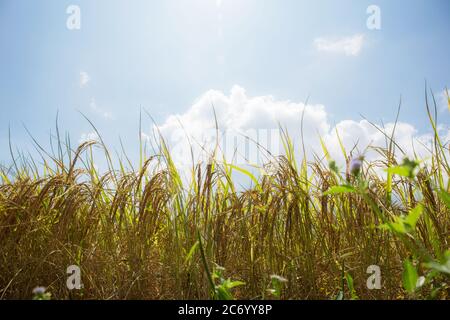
(304, 230)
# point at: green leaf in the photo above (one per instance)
(339, 189)
(407, 169)
(409, 276)
(445, 197)
(223, 290)
(351, 287)
(191, 252)
(443, 267)
(397, 226)
(223, 294)
(413, 216)
(247, 173)
(400, 171)
(277, 285)
(205, 264)
(406, 224)
(232, 284)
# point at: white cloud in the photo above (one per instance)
(362, 134)
(84, 79)
(94, 107)
(90, 136)
(350, 46)
(239, 115)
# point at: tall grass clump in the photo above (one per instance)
(302, 230)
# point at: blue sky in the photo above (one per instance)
(163, 55)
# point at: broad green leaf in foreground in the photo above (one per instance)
(409, 276)
(441, 267)
(406, 169)
(413, 216)
(404, 224)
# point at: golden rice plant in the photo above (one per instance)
(303, 230)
